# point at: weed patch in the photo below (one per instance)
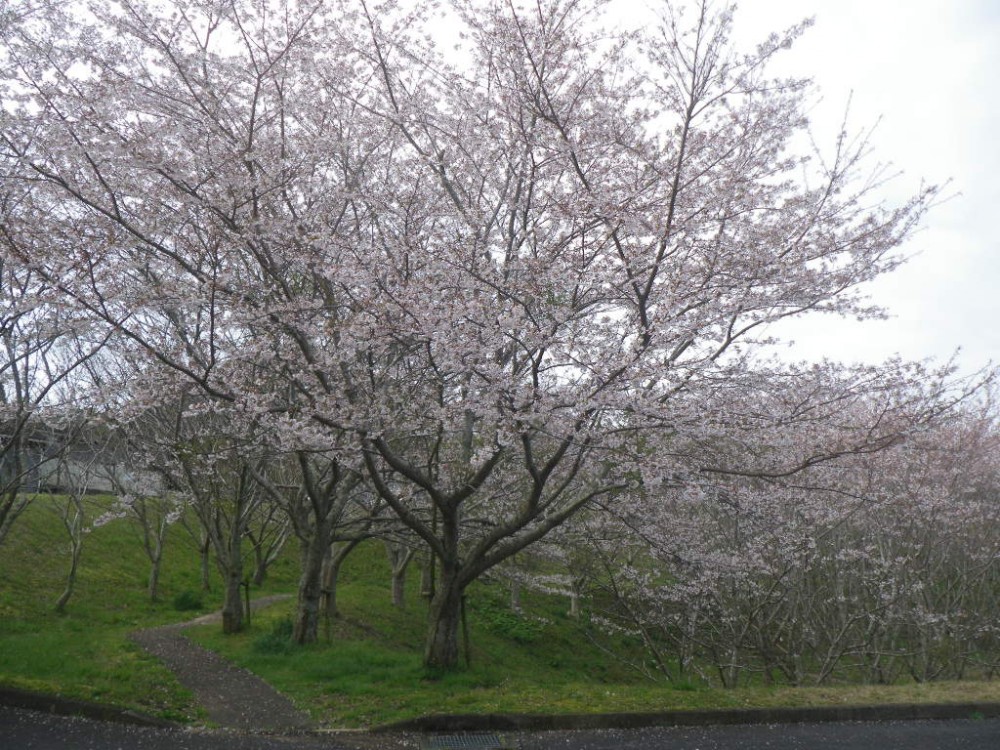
(276, 641)
(188, 601)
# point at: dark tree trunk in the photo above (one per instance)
(427, 576)
(267, 542)
(444, 623)
(260, 572)
(260, 575)
(306, 628)
(331, 572)
(232, 605)
(232, 571)
(206, 569)
(337, 553)
(154, 575)
(399, 587)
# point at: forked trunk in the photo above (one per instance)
(260, 573)
(331, 572)
(73, 521)
(70, 581)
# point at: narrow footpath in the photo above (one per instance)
(232, 697)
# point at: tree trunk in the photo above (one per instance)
(399, 560)
(266, 551)
(306, 628)
(574, 604)
(427, 576)
(331, 572)
(232, 606)
(444, 623)
(206, 568)
(73, 521)
(154, 576)
(399, 587)
(70, 579)
(260, 572)
(232, 571)
(515, 596)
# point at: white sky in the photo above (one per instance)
(928, 69)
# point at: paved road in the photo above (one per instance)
(28, 730)
(22, 729)
(908, 735)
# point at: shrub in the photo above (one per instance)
(507, 624)
(278, 640)
(187, 601)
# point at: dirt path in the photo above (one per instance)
(233, 697)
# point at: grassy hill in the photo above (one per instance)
(86, 653)
(367, 670)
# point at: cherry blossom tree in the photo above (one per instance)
(42, 345)
(152, 513)
(217, 467)
(268, 532)
(872, 565)
(326, 504)
(507, 282)
(77, 467)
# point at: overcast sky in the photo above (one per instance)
(926, 71)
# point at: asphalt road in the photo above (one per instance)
(25, 730)
(902, 735)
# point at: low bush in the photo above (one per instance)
(278, 640)
(188, 601)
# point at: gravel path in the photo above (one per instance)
(233, 698)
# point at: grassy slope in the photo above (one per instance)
(370, 669)
(86, 653)
(368, 672)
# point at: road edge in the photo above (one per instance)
(703, 717)
(56, 704)
(509, 722)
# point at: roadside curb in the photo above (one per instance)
(54, 704)
(707, 717)
(459, 723)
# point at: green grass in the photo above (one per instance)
(368, 672)
(362, 679)
(86, 653)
